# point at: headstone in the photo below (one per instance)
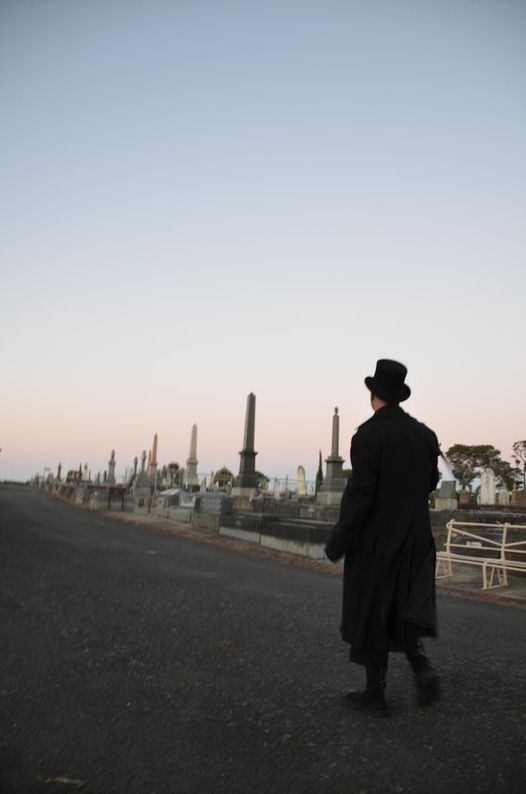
(518, 498)
(504, 498)
(302, 486)
(446, 498)
(246, 481)
(487, 487)
(277, 488)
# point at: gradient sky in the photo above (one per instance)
(203, 199)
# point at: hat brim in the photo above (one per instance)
(404, 393)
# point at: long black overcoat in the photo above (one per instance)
(384, 531)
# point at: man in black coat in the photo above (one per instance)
(384, 532)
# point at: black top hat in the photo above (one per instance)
(388, 381)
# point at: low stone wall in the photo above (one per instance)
(183, 514)
(305, 536)
(491, 516)
(98, 501)
(295, 508)
(210, 521)
(293, 535)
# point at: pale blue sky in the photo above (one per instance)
(202, 199)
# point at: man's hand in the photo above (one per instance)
(334, 548)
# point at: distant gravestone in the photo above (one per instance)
(302, 486)
(487, 487)
(446, 498)
(504, 498)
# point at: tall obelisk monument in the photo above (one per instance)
(334, 483)
(191, 479)
(152, 463)
(246, 481)
(111, 468)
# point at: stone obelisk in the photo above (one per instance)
(191, 479)
(111, 468)
(334, 483)
(152, 464)
(246, 481)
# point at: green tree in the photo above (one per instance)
(319, 475)
(223, 477)
(506, 474)
(174, 474)
(467, 461)
(519, 456)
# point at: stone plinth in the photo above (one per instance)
(445, 504)
(330, 498)
(446, 498)
(244, 493)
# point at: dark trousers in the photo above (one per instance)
(376, 663)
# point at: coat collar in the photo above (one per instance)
(388, 412)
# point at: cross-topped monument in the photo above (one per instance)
(334, 483)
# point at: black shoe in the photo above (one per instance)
(428, 688)
(367, 701)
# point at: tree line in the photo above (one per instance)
(467, 463)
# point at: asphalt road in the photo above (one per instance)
(135, 661)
